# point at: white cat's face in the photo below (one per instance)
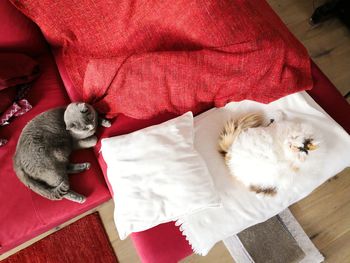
(300, 144)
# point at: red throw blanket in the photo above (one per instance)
(145, 57)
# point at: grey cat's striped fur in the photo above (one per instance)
(41, 160)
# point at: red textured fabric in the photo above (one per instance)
(81, 242)
(18, 33)
(142, 58)
(24, 214)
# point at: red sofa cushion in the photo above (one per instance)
(18, 33)
(25, 214)
(329, 98)
(142, 58)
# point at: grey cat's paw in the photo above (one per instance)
(61, 190)
(81, 200)
(86, 165)
(105, 123)
(56, 195)
(75, 197)
(64, 186)
(77, 167)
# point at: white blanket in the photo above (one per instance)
(242, 208)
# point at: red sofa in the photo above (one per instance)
(24, 214)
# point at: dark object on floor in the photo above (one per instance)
(334, 8)
(271, 242)
(83, 241)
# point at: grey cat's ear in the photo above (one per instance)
(83, 107)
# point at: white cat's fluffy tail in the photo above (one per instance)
(233, 128)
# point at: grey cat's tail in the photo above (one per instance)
(233, 128)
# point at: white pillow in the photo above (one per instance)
(241, 207)
(157, 176)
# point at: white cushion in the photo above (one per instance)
(241, 207)
(157, 176)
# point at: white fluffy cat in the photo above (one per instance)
(266, 156)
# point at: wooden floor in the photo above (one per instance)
(325, 214)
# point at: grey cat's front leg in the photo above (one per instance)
(75, 197)
(104, 122)
(59, 191)
(77, 167)
(86, 143)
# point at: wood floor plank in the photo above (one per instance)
(325, 216)
(124, 249)
(328, 44)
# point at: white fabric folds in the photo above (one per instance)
(157, 176)
(242, 208)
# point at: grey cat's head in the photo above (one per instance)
(80, 119)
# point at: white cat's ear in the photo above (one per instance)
(313, 145)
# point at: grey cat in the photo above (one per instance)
(41, 160)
